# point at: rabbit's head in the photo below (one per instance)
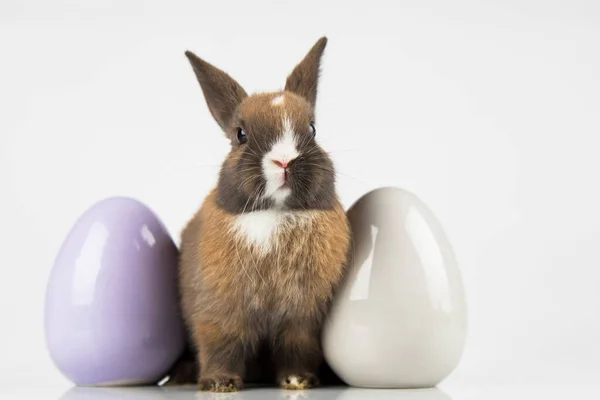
(275, 161)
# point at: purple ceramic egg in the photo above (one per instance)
(112, 313)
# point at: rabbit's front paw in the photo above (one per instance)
(299, 381)
(220, 383)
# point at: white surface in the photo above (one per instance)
(400, 319)
(488, 111)
(487, 392)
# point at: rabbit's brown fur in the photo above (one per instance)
(242, 290)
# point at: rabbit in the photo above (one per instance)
(263, 257)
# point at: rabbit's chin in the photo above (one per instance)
(280, 196)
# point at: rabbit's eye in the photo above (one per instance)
(241, 136)
(312, 130)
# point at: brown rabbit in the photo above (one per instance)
(262, 258)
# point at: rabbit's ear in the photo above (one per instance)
(304, 78)
(222, 93)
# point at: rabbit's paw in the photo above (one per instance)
(299, 381)
(220, 383)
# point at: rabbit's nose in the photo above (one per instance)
(282, 163)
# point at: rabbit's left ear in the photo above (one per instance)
(222, 93)
(304, 78)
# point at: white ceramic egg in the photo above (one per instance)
(399, 320)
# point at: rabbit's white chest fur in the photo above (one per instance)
(260, 229)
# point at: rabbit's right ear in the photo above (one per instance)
(222, 93)
(304, 79)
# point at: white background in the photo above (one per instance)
(489, 111)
